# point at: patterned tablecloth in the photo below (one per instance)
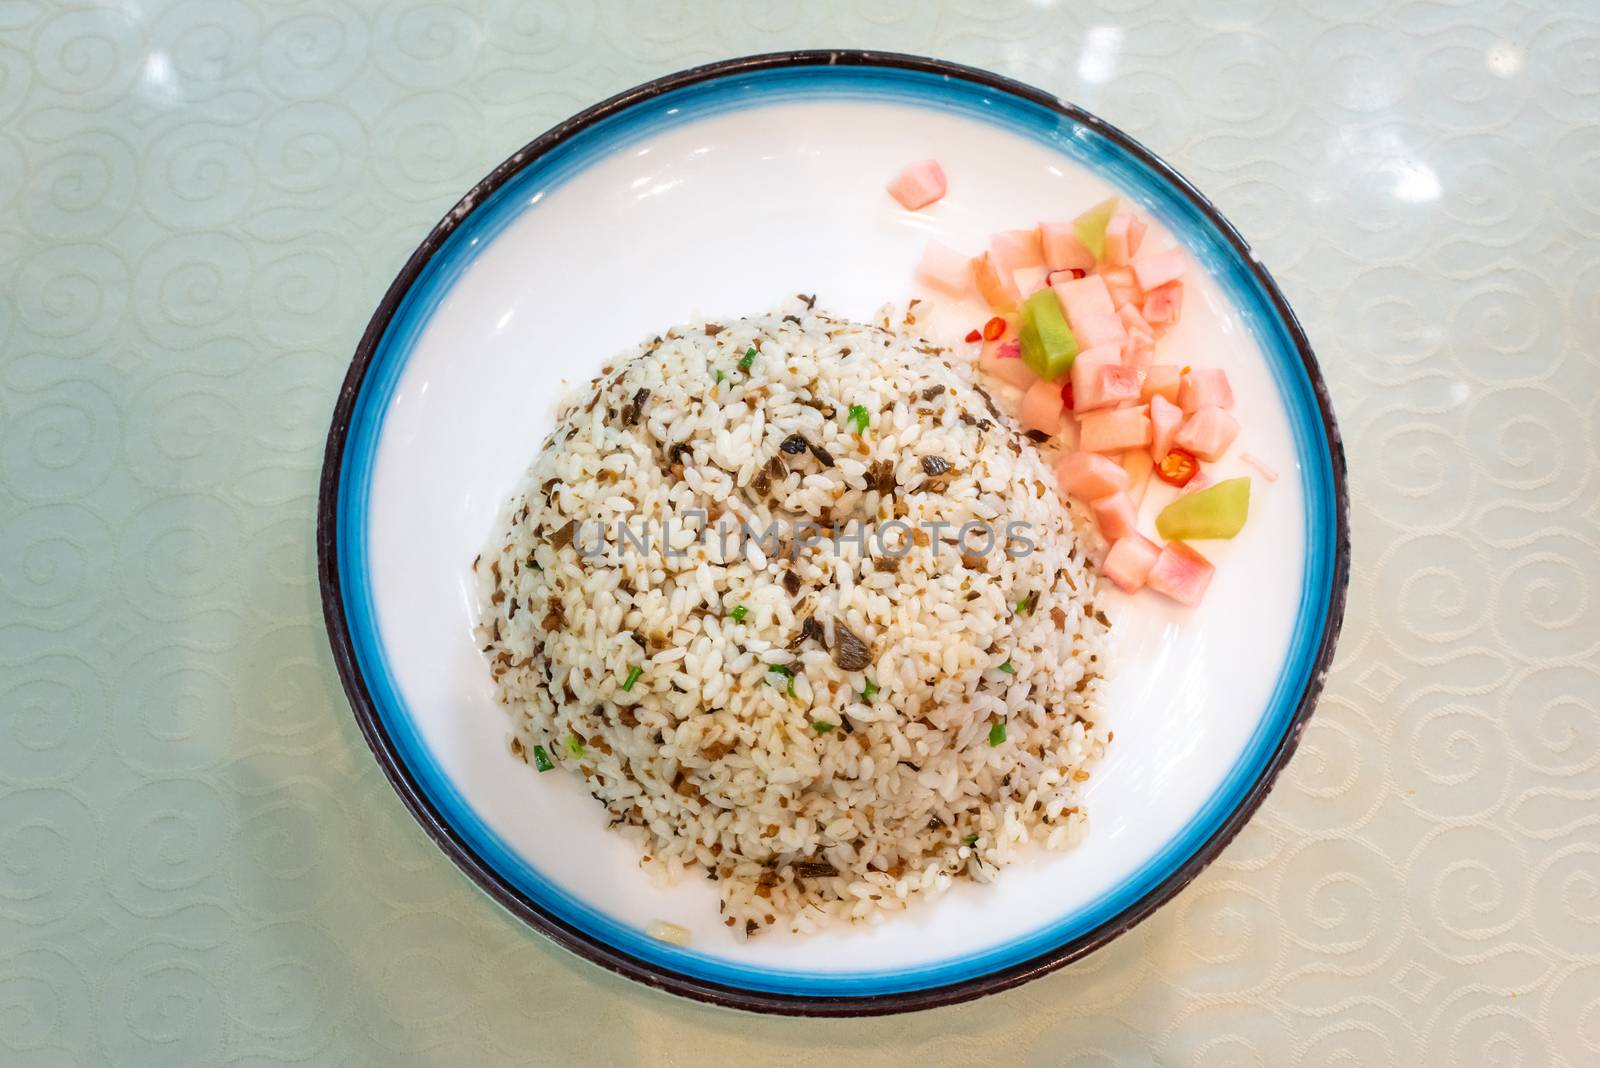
(200, 204)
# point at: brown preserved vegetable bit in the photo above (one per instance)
(935, 465)
(815, 869)
(850, 653)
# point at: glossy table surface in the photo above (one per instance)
(201, 203)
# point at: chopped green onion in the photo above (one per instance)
(739, 612)
(997, 733)
(720, 375)
(747, 359)
(633, 677)
(969, 839)
(870, 691)
(1024, 606)
(859, 418)
(1007, 667)
(822, 728)
(541, 759)
(779, 669)
(574, 746)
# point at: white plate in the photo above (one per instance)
(721, 192)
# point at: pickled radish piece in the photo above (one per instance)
(1121, 286)
(1041, 408)
(1061, 248)
(995, 283)
(1136, 231)
(1202, 387)
(1154, 270)
(1089, 476)
(1102, 385)
(1207, 433)
(1138, 464)
(1003, 360)
(918, 185)
(1165, 420)
(1180, 573)
(1163, 379)
(1115, 515)
(1116, 246)
(1114, 430)
(1129, 562)
(1162, 307)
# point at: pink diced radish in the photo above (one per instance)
(1114, 429)
(1165, 420)
(1162, 307)
(1003, 360)
(1261, 466)
(1138, 351)
(1199, 482)
(1204, 386)
(1117, 231)
(1061, 248)
(1089, 476)
(1115, 515)
(1102, 385)
(1018, 248)
(1084, 298)
(1120, 286)
(918, 185)
(1099, 354)
(1041, 407)
(995, 283)
(1135, 236)
(1163, 379)
(944, 269)
(1180, 573)
(1207, 433)
(1133, 322)
(1155, 269)
(1096, 330)
(1129, 561)
(1138, 464)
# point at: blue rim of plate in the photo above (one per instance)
(563, 152)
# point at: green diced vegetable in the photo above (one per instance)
(869, 691)
(1217, 511)
(574, 747)
(969, 839)
(747, 359)
(997, 733)
(720, 375)
(859, 418)
(1090, 227)
(633, 677)
(541, 759)
(1048, 345)
(739, 612)
(822, 728)
(1008, 667)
